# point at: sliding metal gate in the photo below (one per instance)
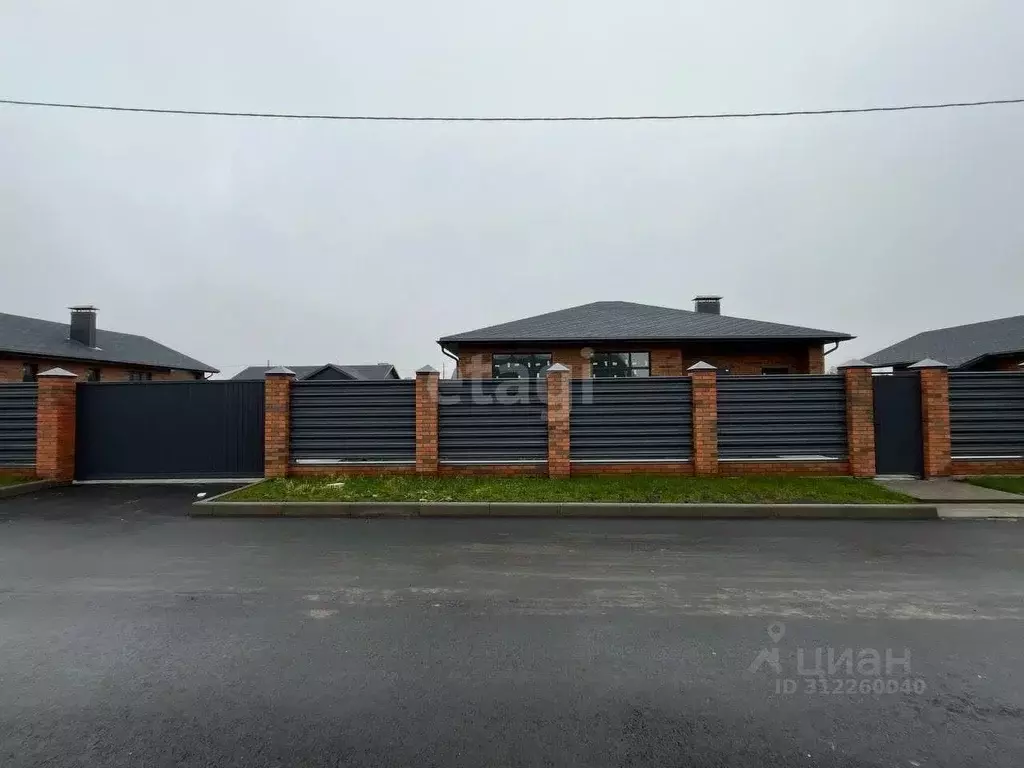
(169, 429)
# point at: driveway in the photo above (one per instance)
(132, 635)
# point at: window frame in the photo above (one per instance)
(29, 372)
(140, 375)
(538, 365)
(630, 365)
(93, 374)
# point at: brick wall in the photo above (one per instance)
(704, 386)
(666, 360)
(935, 421)
(860, 421)
(788, 468)
(11, 370)
(55, 428)
(277, 424)
(987, 467)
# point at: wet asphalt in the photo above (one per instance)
(131, 635)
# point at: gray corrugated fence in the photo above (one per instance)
(986, 415)
(631, 419)
(780, 417)
(353, 421)
(17, 425)
(484, 421)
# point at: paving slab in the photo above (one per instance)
(947, 491)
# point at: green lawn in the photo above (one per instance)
(628, 488)
(1008, 484)
(14, 479)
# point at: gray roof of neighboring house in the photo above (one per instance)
(958, 345)
(358, 372)
(45, 338)
(626, 321)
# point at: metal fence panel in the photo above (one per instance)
(169, 429)
(353, 421)
(17, 425)
(482, 421)
(633, 419)
(986, 415)
(781, 417)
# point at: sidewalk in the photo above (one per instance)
(946, 491)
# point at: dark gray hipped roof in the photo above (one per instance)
(626, 321)
(958, 345)
(44, 338)
(358, 372)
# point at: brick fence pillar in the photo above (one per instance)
(559, 395)
(427, 388)
(860, 417)
(55, 425)
(938, 459)
(704, 384)
(277, 397)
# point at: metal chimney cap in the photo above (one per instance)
(58, 373)
(855, 363)
(84, 308)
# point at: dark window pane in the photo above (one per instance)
(29, 372)
(640, 360)
(523, 366)
(774, 370)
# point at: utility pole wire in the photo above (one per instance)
(563, 119)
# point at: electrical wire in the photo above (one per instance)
(561, 119)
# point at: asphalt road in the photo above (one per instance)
(133, 636)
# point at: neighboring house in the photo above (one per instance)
(993, 345)
(29, 346)
(329, 372)
(621, 339)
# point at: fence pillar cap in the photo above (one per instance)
(855, 363)
(928, 363)
(557, 368)
(700, 365)
(57, 373)
(426, 369)
(280, 370)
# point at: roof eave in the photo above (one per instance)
(445, 342)
(201, 368)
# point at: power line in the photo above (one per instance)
(561, 119)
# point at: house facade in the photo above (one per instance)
(623, 339)
(30, 346)
(992, 345)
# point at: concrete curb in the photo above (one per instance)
(215, 508)
(10, 491)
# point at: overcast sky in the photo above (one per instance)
(239, 241)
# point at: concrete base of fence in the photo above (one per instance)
(10, 491)
(216, 508)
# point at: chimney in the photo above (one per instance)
(708, 305)
(83, 325)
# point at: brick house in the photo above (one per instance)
(621, 339)
(29, 346)
(993, 345)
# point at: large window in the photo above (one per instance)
(519, 366)
(29, 372)
(140, 375)
(620, 365)
(92, 374)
